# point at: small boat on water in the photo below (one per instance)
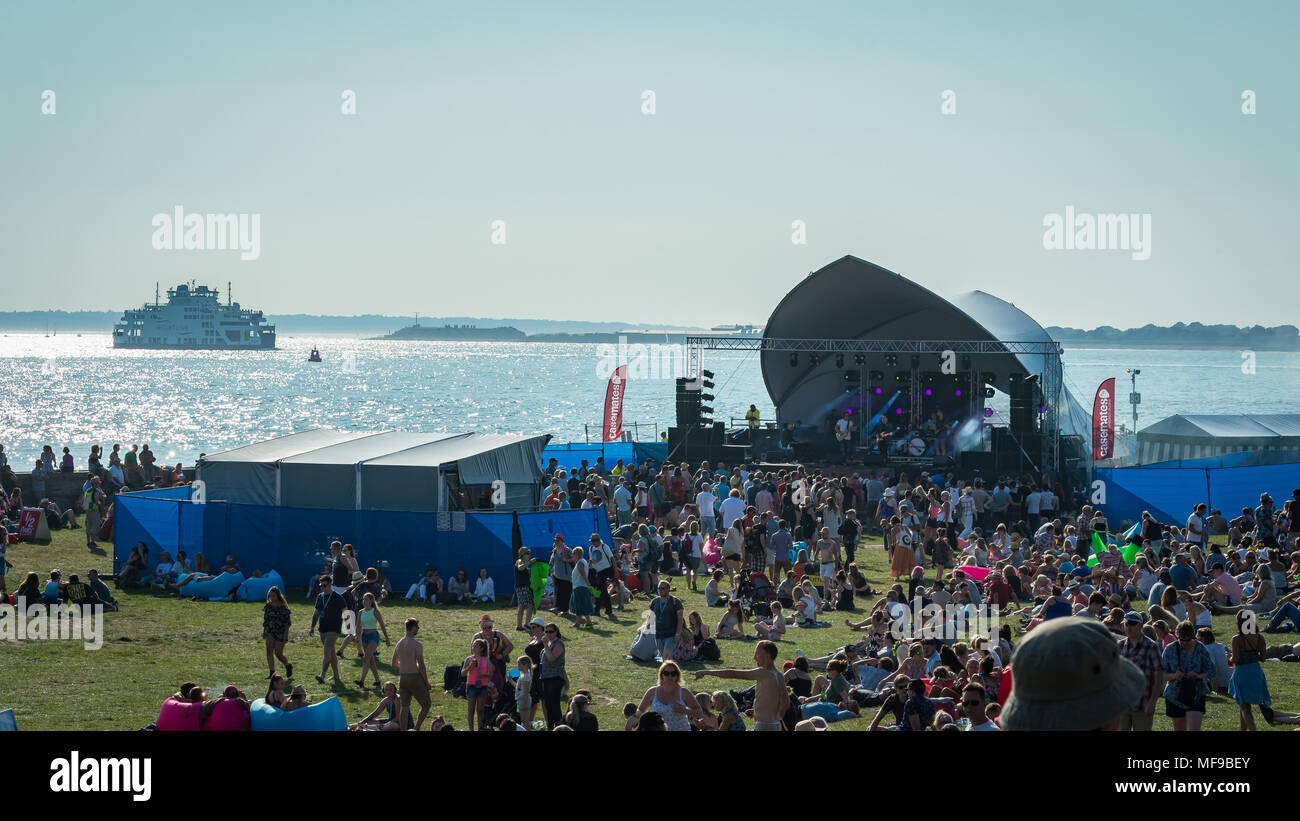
(315, 355)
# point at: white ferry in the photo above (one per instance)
(193, 318)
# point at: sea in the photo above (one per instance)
(76, 390)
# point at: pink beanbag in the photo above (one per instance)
(974, 573)
(178, 715)
(228, 715)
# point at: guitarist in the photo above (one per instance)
(844, 429)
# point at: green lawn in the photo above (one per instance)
(157, 642)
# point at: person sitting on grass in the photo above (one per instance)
(102, 591)
(384, 716)
(774, 628)
(714, 597)
(79, 593)
(731, 624)
(485, 591)
(427, 588)
(53, 590)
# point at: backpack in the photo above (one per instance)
(653, 552)
(708, 650)
(643, 646)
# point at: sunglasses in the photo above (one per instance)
(669, 674)
(971, 702)
(548, 630)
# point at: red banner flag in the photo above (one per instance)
(1103, 421)
(613, 428)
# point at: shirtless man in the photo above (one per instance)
(413, 678)
(828, 553)
(771, 696)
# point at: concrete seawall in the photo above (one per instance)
(63, 488)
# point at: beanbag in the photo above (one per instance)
(228, 715)
(256, 589)
(975, 573)
(326, 715)
(711, 554)
(219, 587)
(178, 715)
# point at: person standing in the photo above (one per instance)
(1247, 684)
(562, 573)
(1196, 527)
(667, 609)
(771, 695)
(581, 597)
(413, 677)
(95, 500)
(276, 618)
(1145, 655)
(849, 530)
(369, 622)
(601, 560)
(330, 607)
(705, 500)
(552, 675)
(1188, 668)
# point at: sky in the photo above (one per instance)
(765, 114)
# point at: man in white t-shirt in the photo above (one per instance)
(1033, 506)
(975, 700)
(732, 508)
(1196, 527)
(705, 500)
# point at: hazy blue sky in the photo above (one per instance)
(530, 112)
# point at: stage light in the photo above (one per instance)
(839, 360)
(815, 359)
(879, 391)
(1042, 409)
(989, 393)
(891, 361)
(988, 412)
(876, 376)
(900, 376)
(990, 378)
(898, 410)
(859, 360)
(928, 392)
(958, 392)
(794, 360)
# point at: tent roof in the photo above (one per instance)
(450, 449)
(370, 446)
(283, 447)
(1226, 426)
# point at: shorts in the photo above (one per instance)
(475, 690)
(369, 637)
(828, 570)
(328, 639)
(1174, 711)
(524, 595)
(692, 562)
(410, 685)
(282, 638)
(768, 727)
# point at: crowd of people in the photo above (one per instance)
(776, 551)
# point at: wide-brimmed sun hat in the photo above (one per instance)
(1070, 676)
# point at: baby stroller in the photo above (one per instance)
(756, 594)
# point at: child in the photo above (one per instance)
(629, 717)
(772, 630)
(477, 670)
(729, 718)
(524, 692)
(707, 721)
(618, 593)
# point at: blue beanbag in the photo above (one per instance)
(256, 589)
(220, 587)
(326, 715)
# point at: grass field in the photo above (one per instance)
(156, 642)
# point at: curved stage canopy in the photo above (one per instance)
(854, 299)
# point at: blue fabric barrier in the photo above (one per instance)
(325, 716)
(1171, 493)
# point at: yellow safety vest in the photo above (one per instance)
(752, 416)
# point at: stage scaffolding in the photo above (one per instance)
(1050, 379)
